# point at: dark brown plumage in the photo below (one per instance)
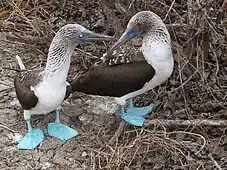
(114, 81)
(68, 91)
(23, 82)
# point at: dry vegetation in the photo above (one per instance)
(196, 91)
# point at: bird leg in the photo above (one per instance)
(131, 103)
(33, 137)
(59, 130)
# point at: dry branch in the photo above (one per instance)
(195, 122)
(117, 133)
(5, 127)
(110, 14)
(214, 162)
(221, 12)
(27, 39)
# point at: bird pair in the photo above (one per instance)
(42, 91)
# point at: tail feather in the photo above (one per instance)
(19, 63)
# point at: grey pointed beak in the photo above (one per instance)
(89, 36)
(126, 36)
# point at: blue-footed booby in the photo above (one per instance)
(129, 79)
(43, 90)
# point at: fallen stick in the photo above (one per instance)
(5, 127)
(27, 39)
(214, 162)
(164, 122)
(221, 12)
(195, 122)
(117, 134)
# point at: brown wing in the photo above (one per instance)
(68, 91)
(116, 80)
(123, 55)
(23, 82)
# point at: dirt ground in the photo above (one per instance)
(197, 90)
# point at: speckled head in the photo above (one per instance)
(73, 34)
(65, 41)
(143, 22)
(140, 24)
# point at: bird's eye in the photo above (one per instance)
(134, 29)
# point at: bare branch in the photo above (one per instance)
(214, 162)
(195, 122)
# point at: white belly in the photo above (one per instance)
(163, 72)
(51, 94)
(159, 55)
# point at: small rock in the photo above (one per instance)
(37, 156)
(50, 143)
(44, 158)
(2, 86)
(4, 141)
(45, 165)
(84, 154)
(10, 149)
(2, 105)
(78, 102)
(12, 94)
(99, 105)
(15, 102)
(16, 137)
(86, 118)
(71, 110)
(50, 153)
(59, 159)
(29, 157)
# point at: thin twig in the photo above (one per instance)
(169, 10)
(214, 162)
(5, 127)
(195, 134)
(117, 133)
(26, 39)
(7, 89)
(195, 122)
(177, 25)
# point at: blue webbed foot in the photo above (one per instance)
(59, 130)
(134, 120)
(135, 115)
(140, 111)
(32, 139)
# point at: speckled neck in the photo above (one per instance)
(158, 32)
(59, 56)
(157, 46)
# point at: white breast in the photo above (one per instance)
(50, 92)
(159, 55)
